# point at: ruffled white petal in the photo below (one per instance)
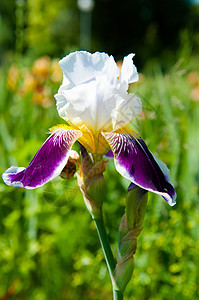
(91, 93)
(81, 66)
(126, 111)
(129, 72)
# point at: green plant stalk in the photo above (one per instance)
(110, 261)
(117, 295)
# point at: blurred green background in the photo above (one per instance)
(49, 247)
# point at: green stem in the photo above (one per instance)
(105, 245)
(117, 295)
(110, 261)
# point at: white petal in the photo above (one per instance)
(81, 66)
(76, 104)
(129, 72)
(126, 111)
(91, 92)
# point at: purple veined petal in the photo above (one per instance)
(134, 161)
(48, 162)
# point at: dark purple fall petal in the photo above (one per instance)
(134, 161)
(48, 162)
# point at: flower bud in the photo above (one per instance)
(135, 206)
(128, 233)
(123, 273)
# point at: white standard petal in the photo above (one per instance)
(91, 92)
(129, 72)
(89, 89)
(63, 107)
(126, 111)
(76, 104)
(81, 66)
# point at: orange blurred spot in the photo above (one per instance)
(195, 94)
(193, 78)
(42, 97)
(41, 67)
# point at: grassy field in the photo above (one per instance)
(49, 247)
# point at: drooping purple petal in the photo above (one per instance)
(134, 161)
(48, 162)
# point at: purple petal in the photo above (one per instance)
(109, 154)
(48, 162)
(134, 161)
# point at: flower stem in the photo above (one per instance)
(110, 261)
(117, 295)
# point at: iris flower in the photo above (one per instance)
(94, 101)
